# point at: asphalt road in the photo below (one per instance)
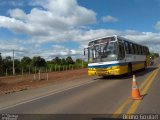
(95, 98)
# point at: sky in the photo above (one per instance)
(51, 28)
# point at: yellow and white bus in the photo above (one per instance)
(116, 55)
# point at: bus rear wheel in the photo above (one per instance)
(129, 69)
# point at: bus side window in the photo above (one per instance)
(126, 47)
(135, 48)
(142, 50)
(131, 48)
(145, 51)
(121, 51)
(138, 50)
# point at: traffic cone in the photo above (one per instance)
(135, 95)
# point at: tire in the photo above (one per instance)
(129, 69)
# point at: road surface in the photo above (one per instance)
(95, 98)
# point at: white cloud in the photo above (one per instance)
(55, 17)
(83, 37)
(17, 13)
(68, 10)
(62, 20)
(6, 48)
(109, 19)
(157, 26)
(26, 49)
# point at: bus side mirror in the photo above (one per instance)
(84, 52)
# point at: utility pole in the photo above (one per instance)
(13, 64)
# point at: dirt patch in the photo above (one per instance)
(25, 82)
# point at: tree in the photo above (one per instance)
(79, 61)
(63, 61)
(38, 62)
(69, 60)
(156, 55)
(6, 64)
(25, 62)
(57, 60)
(9, 58)
(17, 65)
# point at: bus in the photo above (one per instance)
(116, 55)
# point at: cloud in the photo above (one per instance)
(60, 51)
(26, 49)
(157, 25)
(7, 46)
(57, 16)
(109, 19)
(17, 14)
(56, 21)
(48, 21)
(19, 26)
(152, 40)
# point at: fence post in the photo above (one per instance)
(39, 74)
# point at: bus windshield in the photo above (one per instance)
(103, 52)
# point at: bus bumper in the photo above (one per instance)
(116, 70)
(98, 72)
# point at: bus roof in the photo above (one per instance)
(129, 40)
(116, 37)
(102, 38)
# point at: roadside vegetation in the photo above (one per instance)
(154, 55)
(29, 65)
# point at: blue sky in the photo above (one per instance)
(132, 14)
(52, 28)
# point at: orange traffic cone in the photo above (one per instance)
(135, 95)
